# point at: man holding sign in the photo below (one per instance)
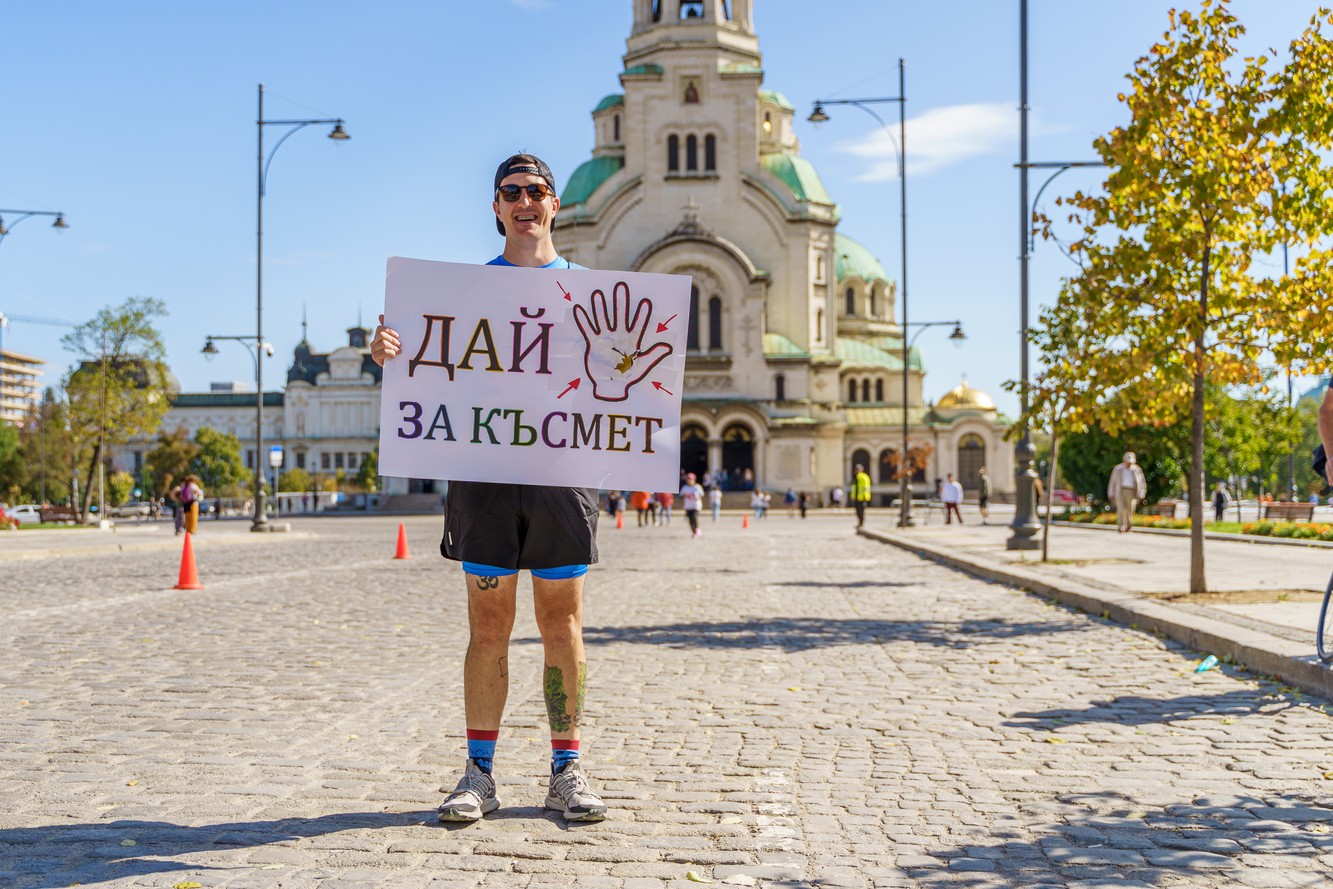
(495, 529)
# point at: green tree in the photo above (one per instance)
(170, 458)
(13, 472)
(1220, 162)
(119, 488)
(368, 473)
(217, 461)
(48, 451)
(1087, 458)
(119, 390)
(295, 481)
(1250, 435)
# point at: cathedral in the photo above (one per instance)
(794, 372)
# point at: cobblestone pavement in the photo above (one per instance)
(785, 705)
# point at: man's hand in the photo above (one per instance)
(615, 358)
(385, 345)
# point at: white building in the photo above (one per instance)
(20, 386)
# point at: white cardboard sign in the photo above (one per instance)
(565, 377)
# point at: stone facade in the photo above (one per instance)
(795, 364)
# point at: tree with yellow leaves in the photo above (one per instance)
(1219, 164)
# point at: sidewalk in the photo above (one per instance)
(1261, 609)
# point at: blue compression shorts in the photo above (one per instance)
(564, 572)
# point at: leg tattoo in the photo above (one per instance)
(556, 701)
(582, 693)
(487, 583)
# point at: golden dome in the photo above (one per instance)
(964, 398)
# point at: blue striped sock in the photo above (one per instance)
(481, 748)
(562, 754)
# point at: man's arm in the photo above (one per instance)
(1326, 429)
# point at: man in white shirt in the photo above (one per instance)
(951, 495)
(1125, 488)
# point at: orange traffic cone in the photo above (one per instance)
(620, 520)
(189, 579)
(745, 521)
(402, 543)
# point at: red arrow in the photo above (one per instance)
(658, 386)
(570, 298)
(662, 325)
(573, 384)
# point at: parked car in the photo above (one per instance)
(132, 509)
(28, 513)
(1061, 495)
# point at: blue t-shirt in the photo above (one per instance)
(558, 263)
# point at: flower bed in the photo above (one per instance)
(1292, 530)
(1088, 517)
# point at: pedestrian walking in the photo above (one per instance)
(177, 510)
(496, 530)
(1220, 501)
(191, 494)
(691, 498)
(789, 500)
(802, 502)
(860, 492)
(983, 495)
(836, 497)
(951, 495)
(757, 504)
(638, 501)
(1125, 488)
(715, 501)
(665, 501)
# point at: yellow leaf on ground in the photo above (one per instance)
(793, 688)
(188, 884)
(131, 782)
(1055, 740)
(695, 878)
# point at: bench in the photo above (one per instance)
(58, 514)
(1294, 512)
(1164, 508)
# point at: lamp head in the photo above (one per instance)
(60, 223)
(957, 336)
(339, 134)
(817, 116)
(209, 349)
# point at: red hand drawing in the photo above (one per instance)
(615, 358)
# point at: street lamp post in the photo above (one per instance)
(900, 150)
(905, 519)
(59, 225)
(340, 135)
(1025, 525)
(257, 348)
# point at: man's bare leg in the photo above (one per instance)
(559, 609)
(490, 613)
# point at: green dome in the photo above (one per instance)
(776, 98)
(588, 177)
(855, 261)
(799, 175)
(609, 102)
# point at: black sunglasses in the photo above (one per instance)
(537, 191)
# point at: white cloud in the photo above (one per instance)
(942, 137)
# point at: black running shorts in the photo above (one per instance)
(520, 526)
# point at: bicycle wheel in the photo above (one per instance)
(1324, 632)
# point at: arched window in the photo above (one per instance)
(851, 301)
(673, 153)
(971, 457)
(819, 325)
(615, 124)
(888, 462)
(715, 324)
(851, 391)
(873, 309)
(692, 9)
(692, 335)
(879, 391)
(710, 152)
(865, 390)
(692, 152)
(768, 123)
(860, 457)
(780, 387)
(819, 268)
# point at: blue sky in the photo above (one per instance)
(137, 120)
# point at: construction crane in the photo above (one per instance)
(28, 319)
